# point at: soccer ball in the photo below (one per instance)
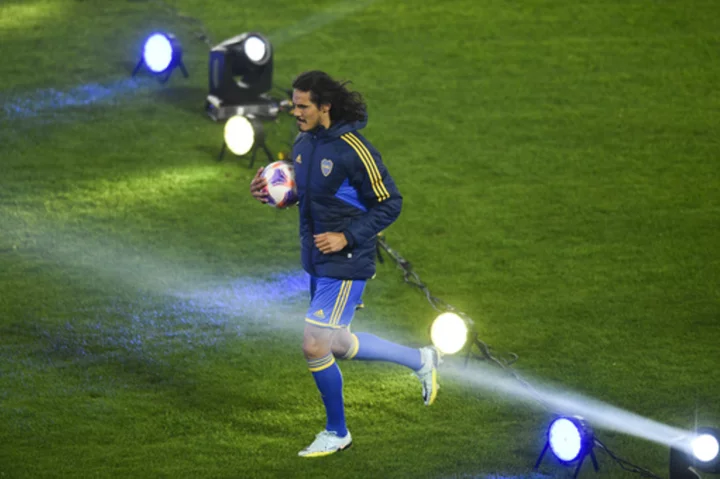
(280, 177)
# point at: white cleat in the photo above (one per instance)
(427, 374)
(326, 443)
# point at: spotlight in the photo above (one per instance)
(452, 332)
(240, 73)
(705, 448)
(568, 437)
(161, 54)
(449, 333)
(244, 134)
(699, 453)
(571, 440)
(240, 134)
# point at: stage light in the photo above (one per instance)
(449, 333)
(705, 448)
(698, 453)
(240, 76)
(566, 438)
(256, 49)
(571, 440)
(162, 53)
(241, 133)
(158, 52)
(244, 134)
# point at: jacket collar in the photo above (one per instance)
(339, 128)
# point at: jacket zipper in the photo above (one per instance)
(308, 203)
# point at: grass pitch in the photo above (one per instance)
(559, 163)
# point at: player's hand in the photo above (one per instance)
(330, 242)
(258, 187)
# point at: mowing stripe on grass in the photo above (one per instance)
(257, 298)
(316, 21)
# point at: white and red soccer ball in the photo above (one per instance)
(281, 187)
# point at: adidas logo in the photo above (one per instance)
(319, 313)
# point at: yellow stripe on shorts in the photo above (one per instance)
(340, 302)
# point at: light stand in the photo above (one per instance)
(253, 152)
(263, 107)
(243, 135)
(168, 72)
(580, 463)
(162, 53)
(561, 433)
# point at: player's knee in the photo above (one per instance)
(314, 348)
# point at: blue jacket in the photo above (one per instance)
(343, 186)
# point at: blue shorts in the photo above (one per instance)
(333, 301)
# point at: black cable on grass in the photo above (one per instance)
(413, 279)
(624, 464)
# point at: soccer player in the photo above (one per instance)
(346, 197)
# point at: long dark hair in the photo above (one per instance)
(346, 105)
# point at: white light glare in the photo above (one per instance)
(705, 447)
(449, 333)
(565, 439)
(239, 135)
(255, 49)
(158, 52)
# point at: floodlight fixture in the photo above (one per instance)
(243, 135)
(705, 448)
(449, 332)
(453, 331)
(699, 453)
(571, 440)
(256, 49)
(161, 54)
(240, 77)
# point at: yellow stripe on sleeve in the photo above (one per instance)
(371, 166)
(366, 157)
(373, 180)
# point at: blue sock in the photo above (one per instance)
(329, 382)
(369, 347)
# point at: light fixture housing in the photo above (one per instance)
(705, 447)
(449, 332)
(245, 134)
(571, 440)
(161, 54)
(242, 133)
(241, 69)
(701, 452)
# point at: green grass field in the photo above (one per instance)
(560, 164)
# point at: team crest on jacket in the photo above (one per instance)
(326, 166)
(298, 159)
